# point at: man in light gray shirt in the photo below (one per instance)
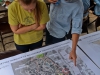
(64, 15)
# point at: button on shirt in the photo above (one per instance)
(62, 15)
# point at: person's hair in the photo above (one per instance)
(37, 10)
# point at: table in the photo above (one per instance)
(9, 53)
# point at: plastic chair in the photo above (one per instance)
(97, 23)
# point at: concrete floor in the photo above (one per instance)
(91, 29)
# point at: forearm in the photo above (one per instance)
(20, 29)
(29, 28)
(42, 27)
(23, 30)
(75, 38)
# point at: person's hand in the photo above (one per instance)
(73, 56)
(34, 26)
(52, 1)
(20, 25)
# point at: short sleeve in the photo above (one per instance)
(12, 15)
(44, 14)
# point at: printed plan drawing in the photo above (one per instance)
(53, 62)
(49, 60)
(90, 44)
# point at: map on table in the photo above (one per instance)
(49, 60)
(54, 62)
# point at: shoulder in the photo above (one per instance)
(79, 3)
(13, 5)
(41, 3)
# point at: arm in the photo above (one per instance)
(77, 18)
(75, 38)
(20, 30)
(73, 55)
(41, 27)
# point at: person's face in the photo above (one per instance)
(29, 7)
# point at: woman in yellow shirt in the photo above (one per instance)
(27, 19)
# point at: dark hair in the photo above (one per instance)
(37, 10)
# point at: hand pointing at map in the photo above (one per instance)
(73, 57)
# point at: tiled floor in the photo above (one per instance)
(91, 29)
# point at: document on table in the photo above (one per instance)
(49, 60)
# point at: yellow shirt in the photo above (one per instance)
(17, 15)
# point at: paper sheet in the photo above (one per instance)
(90, 44)
(49, 60)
